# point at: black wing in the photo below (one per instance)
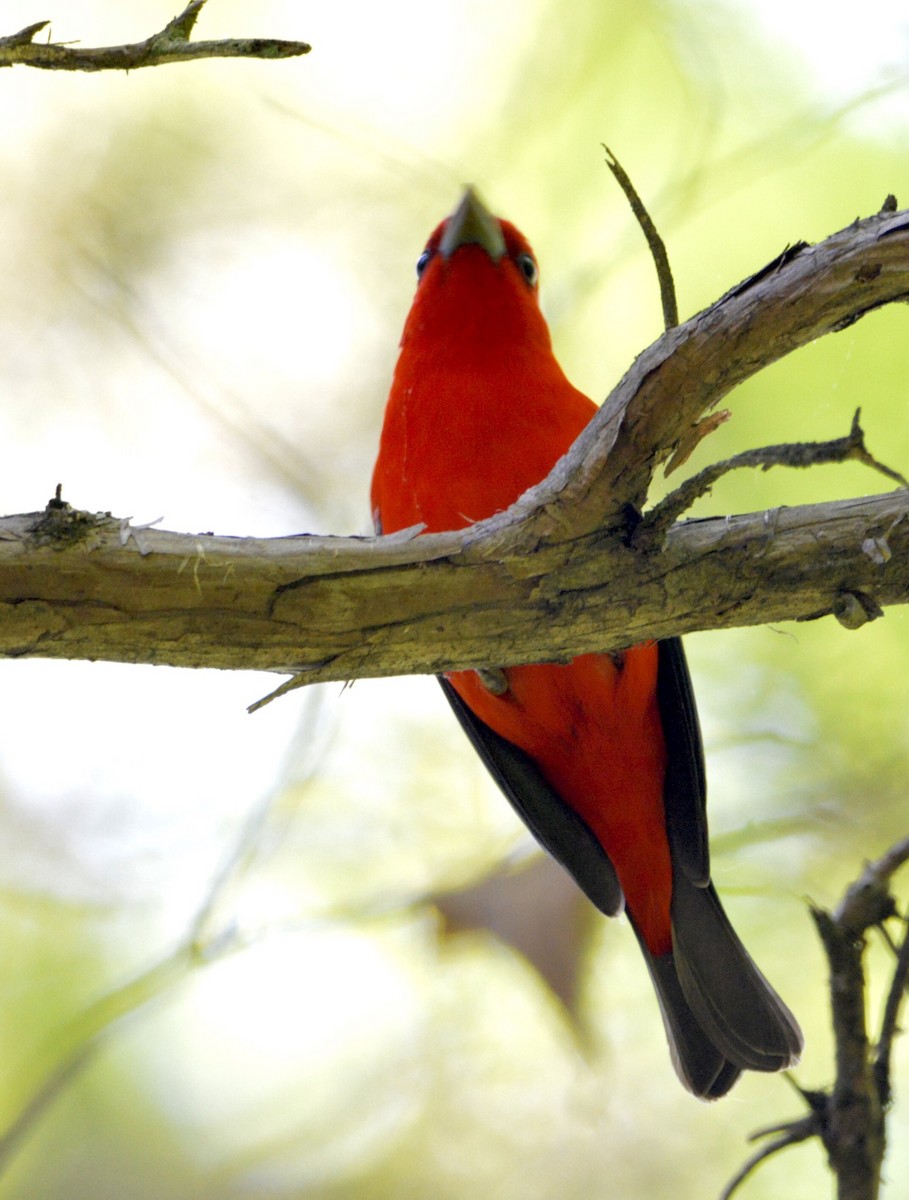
(685, 789)
(720, 1014)
(563, 833)
(556, 827)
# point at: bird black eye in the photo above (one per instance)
(422, 261)
(528, 268)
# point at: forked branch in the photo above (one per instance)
(557, 574)
(849, 1118)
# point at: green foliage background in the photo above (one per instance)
(225, 969)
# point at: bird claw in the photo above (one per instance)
(494, 680)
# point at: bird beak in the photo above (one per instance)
(472, 224)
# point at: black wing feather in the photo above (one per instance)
(720, 1014)
(685, 788)
(556, 827)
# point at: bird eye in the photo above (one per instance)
(528, 268)
(422, 261)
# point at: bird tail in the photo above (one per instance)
(720, 1013)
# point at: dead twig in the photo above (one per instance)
(850, 1117)
(172, 44)
(655, 243)
(890, 1021)
(791, 1133)
(850, 448)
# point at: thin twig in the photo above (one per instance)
(654, 241)
(201, 944)
(172, 44)
(76, 1042)
(792, 1134)
(890, 1021)
(788, 454)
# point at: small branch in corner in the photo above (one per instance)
(172, 44)
(849, 1117)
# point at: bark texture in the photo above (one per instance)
(570, 568)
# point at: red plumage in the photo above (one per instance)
(601, 756)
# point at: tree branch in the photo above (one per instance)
(850, 1117)
(346, 608)
(808, 291)
(172, 44)
(554, 576)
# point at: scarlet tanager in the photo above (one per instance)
(602, 756)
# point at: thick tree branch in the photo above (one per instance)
(554, 576)
(172, 44)
(343, 608)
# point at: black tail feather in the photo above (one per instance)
(720, 1013)
(730, 998)
(700, 1066)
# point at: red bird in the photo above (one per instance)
(601, 757)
